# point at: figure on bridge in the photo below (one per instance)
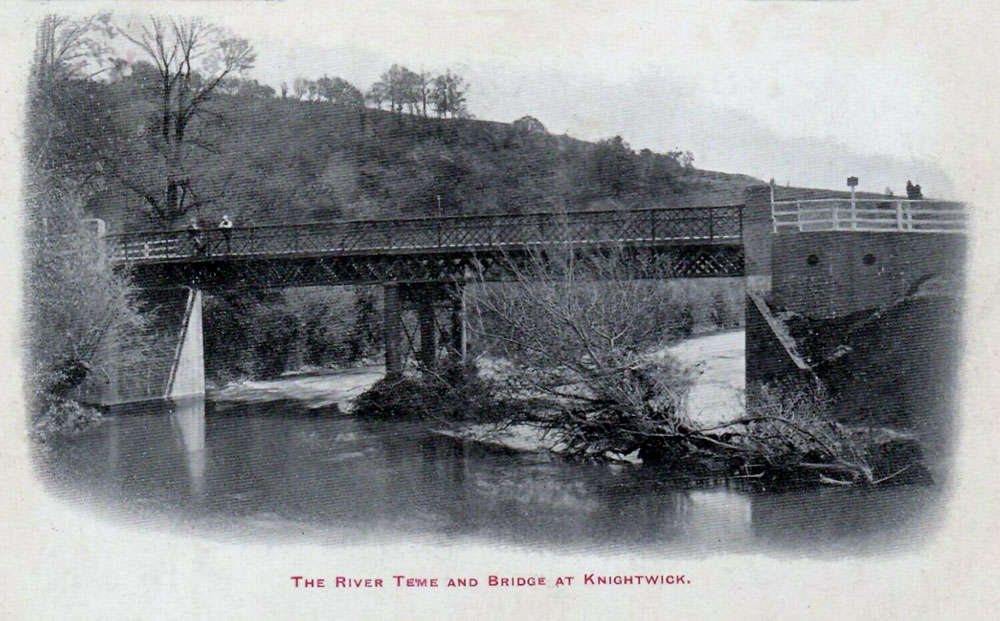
(226, 226)
(194, 232)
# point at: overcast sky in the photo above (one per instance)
(806, 93)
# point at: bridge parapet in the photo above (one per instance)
(676, 226)
(868, 215)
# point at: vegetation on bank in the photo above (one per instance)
(82, 321)
(575, 346)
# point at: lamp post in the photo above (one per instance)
(852, 182)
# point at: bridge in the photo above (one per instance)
(820, 257)
(693, 242)
(421, 263)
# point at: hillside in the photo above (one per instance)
(267, 160)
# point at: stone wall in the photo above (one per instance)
(835, 273)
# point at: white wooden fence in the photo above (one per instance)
(869, 214)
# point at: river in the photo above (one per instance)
(255, 464)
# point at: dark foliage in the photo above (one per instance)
(263, 160)
(456, 394)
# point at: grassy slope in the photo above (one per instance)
(291, 161)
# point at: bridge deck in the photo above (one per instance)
(697, 242)
(712, 225)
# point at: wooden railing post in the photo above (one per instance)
(652, 225)
(711, 224)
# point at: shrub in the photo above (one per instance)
(54, 416)
(456, 394)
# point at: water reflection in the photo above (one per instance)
(278, 466)
(187, 418)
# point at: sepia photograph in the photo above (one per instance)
(417, 309)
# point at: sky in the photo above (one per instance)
(806, 93)
(766, 89)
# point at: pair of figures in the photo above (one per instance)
(194, 231)
(913, 192)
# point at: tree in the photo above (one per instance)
(424, 89)
(68, 51)
(340, 91)
(409, 88)
(400, 87)
(192, 58)
(449, 95)
(529, 125)
(324, 87)
(70, 48)
(76, 304)
(573, 337)
(376, 95)
(252, 88)
(684, 158)
(614, 167)
(390, 85)
(300, 86)
(284, 90)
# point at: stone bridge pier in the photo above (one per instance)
(863, 294)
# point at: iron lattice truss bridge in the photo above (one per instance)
(685, 243)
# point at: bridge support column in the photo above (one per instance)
(459, 324)
(176, 367)
(187, 376)
(393, 325)
(428, 334)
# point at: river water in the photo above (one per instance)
(280, 470)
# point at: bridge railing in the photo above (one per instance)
(869, 215)
(720, 224)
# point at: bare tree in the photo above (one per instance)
(575, 336)
(192, 59)
(70, 48)
(577, 341)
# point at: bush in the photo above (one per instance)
(456, 394)
(55, 416)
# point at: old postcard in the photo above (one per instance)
(508, 309)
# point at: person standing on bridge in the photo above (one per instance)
(226, 226)
(194, 232)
